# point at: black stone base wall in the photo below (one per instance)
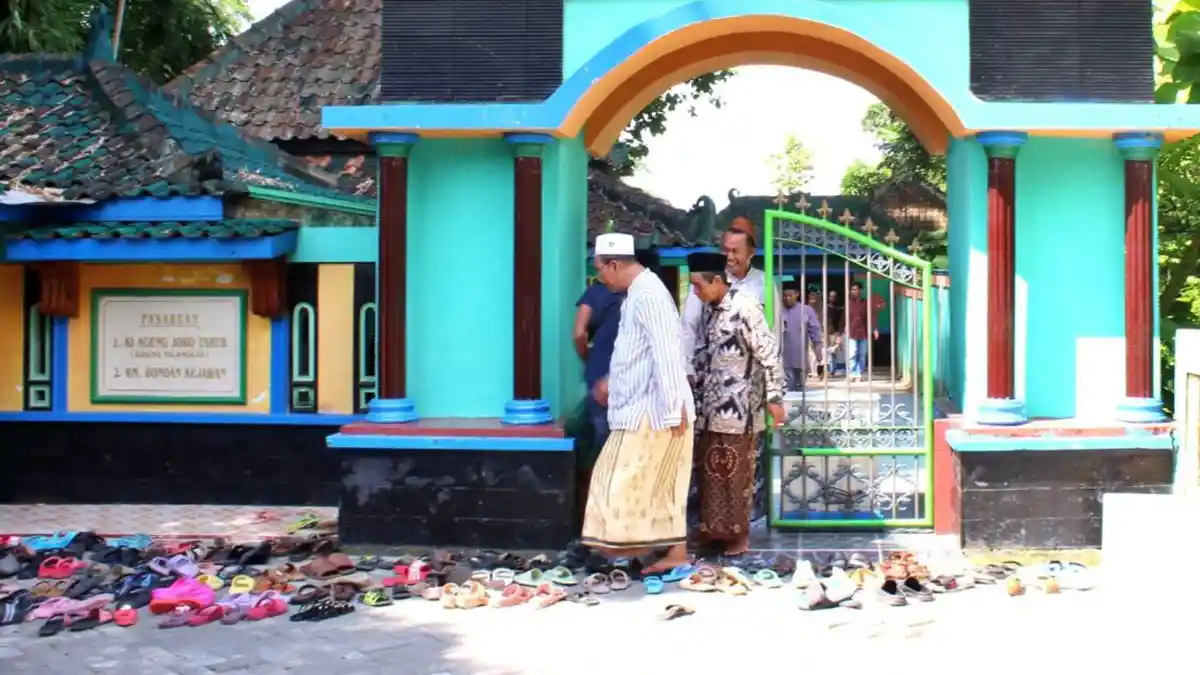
(483, 499)
(130, 463)
(1051, 500)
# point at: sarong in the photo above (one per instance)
(726, 467)
(638, 494)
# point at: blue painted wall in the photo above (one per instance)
(966, 205)
(1070, 277)
(564, 246)
(460, 200)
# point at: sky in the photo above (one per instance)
(729, 148)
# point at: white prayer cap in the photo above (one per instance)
(614, 244)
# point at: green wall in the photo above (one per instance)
(460, 277)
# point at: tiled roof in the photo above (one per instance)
(633, 211)
(273, 79)
(77, 130)
(221, 229)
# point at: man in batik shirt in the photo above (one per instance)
(739, 377)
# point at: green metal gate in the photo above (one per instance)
(856, 451)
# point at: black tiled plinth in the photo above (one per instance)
(130, 463)
(1051, 500)
(487, 498)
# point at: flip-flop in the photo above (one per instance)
(125, 616)
(678, 574)
(241, 584)
(767, 579)
(53, 626)
(676, 611)
(212, 581)
(653, 585)
(93, 618)
(138, 541)
(183, 566)
(472, 595)
(532, 578)
(266, 606)
(547, 595)
(307, 521)
(367, 563)
(584, 598)
(376, 597)
(561, 576)
(53, 542)
(512, 596)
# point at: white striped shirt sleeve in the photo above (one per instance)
(660, 321)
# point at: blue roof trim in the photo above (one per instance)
(120, 210)
(177, 249)
(961, 441)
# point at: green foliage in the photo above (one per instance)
(631, 149)
(791, 168)
(159, 38)
(1177, 45)
(904, 161)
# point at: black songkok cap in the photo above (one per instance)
(706, 262)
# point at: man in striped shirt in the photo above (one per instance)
(637, 501)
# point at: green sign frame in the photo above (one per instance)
(99, 294)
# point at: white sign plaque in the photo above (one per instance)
(169, 347)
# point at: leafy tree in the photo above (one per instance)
(159, 38)
(1177, 45)
(792, 167)
(631, 149)
(904, 161)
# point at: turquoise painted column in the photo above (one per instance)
(1140, 404)
(1002, 407)
(391, 404)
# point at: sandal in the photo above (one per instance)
(676, 611)
(547, 595)
(449, 595)
(653, 585)
(376, 597)
(561, 576)
(322, 610)
(309, 594)
(597, 583)
(584, 598)
(268, 606)
(125, 616)
(307, 521)
(471, 596)
(703, 580)
(241, 584)
(512, 596)
(767, 578)
(618, 580)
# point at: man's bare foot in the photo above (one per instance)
(676, 556)
(738, 547)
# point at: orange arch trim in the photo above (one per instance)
(615, 98)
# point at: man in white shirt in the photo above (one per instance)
(637, 500)
(738, 245)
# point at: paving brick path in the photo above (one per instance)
(727, 634)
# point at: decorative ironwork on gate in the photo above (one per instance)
(857, 448)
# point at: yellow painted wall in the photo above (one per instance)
(12, 337)
(335, 339)
(166, 276)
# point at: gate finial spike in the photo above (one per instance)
(869, 226)
(891, 237)
(781, 199)
(847, 218)
(824, 210)
(802, 204)
(915, 247)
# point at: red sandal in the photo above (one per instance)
(207, 615)
(125, 617)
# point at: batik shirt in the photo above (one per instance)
(738, 366)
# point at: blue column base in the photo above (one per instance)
(391, 411)
(1001, 412)
(525, 412)
(1140, 411)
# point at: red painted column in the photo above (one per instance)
(1002, 406)
(1139, 151)
(391, 403)
(527, 406)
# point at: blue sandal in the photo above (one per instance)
(678, 574)
(653, 585)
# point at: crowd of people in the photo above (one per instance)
(679, 401)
